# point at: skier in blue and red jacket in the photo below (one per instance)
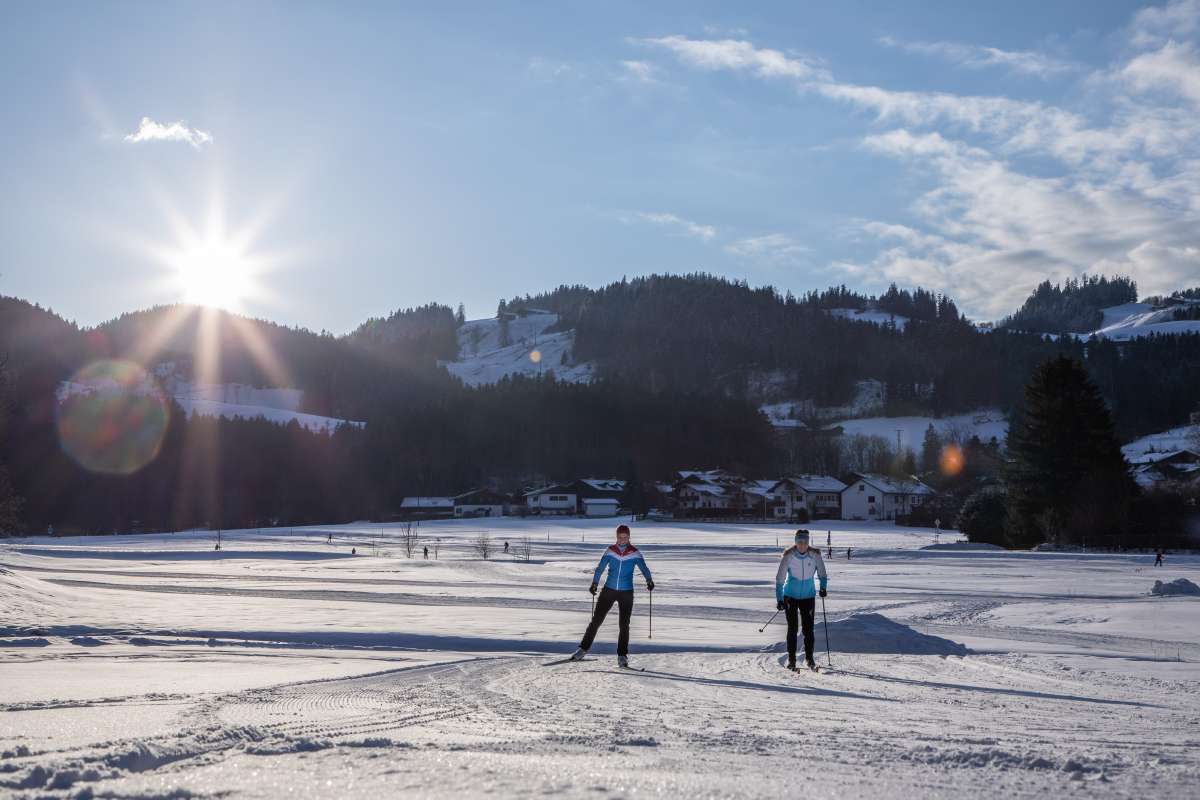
(620, 560)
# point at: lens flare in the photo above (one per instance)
(535, 356)
(112, 417)
(951, 461)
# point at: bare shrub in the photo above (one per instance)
(482, 545)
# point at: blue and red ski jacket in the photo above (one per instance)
(620, 564)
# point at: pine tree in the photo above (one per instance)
(460, 315)
(10, 502)
(1068, 481)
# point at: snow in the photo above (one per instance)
(871, 315)
(1184, 437)
(484, 359)
(984, 423)
(1134, 320)
(224, 400)
(154, 666)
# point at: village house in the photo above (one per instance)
(480, 503)
(557, 498)
(822, 495)
(1175, 466)
(874, 496)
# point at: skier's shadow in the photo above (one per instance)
(732, 684)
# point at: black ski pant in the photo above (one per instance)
(805, 610)
(624, 601)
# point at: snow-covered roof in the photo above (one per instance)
(890, 485)
(818, 483)
(604, 484)
(557, 488)
(707, 488)
(427, 502)
(1155, 458)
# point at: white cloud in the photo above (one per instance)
(1174, 67)
(151, 131)
(1158, 24)
(1017, 191)
(971, 56)
(732, 54)
(705, 232)
(642, 71)
(777, 248)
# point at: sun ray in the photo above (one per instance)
(261, 351)
(150, 345)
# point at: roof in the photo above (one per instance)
(427, 502)
(557, 488)
(890, 485)
(818, 483)
(1184, 456)
(604, 484)
(707, 488)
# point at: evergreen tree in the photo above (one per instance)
(983, 516)
(460, 315)
(1068, 481)
(931, 449)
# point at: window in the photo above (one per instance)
(861, 487)
(870, 498)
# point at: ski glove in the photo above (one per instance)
(592, 589)
(649, 586)
(780, 605)
(823, 593)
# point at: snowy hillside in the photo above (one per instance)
(225, 400)
(286, 665)
(1181, 438)
(1134, 320)
(984, 423)
(484, 357)
(872, 315)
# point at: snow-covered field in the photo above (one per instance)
(154, 666)
(985, 423)
(485, 358)
(1134, 320)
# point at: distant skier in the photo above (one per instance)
(796, 592)
(426, 552)
(1158, 557)
(847, 553)
(506, 546)
(330, 539)
(619, 559)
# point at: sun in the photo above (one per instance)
(214, 273)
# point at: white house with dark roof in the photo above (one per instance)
(874, 496)
(554, 499)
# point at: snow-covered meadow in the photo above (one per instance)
(155, 666)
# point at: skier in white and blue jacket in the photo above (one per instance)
(620, 560)
(796, 592)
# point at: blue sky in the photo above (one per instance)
(350, 159)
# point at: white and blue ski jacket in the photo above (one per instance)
(620, 564)
(797, 574)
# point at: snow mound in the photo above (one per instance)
(24, 597)
(875, 633)
(873, 316)
(1178, 586)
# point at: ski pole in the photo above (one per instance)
(651, 598)
(768, 622)
(826, 618)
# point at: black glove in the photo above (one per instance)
(649, 586)
(822, 593)
(780, 605)
(592, 589)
